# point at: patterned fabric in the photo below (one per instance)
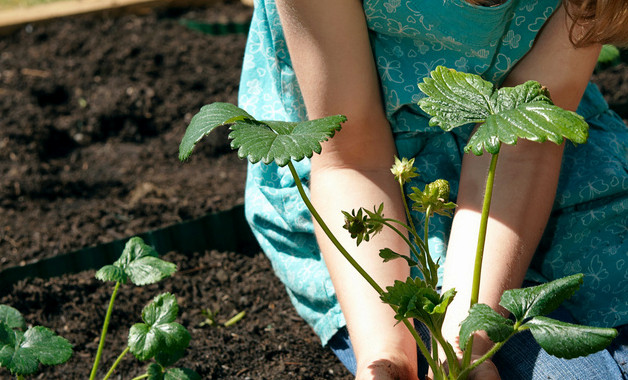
(587, 230)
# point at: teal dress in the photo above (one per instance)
(587, 229)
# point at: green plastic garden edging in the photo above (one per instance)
(224, 231)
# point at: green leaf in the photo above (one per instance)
(536, 121)
(167, 359)
(163, 309)
(509, 113)
(112, 273)
(181, 374)
(208, 118)
(159, 334)
(541, 299)
(455, 98)
(609, 54)
(139, 263)
(266, 141)
(11, 317)
(482, 318)
(414, 299)
(23, 352)
(566, 340)
(154, 372)
(279, 141)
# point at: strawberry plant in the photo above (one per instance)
(452, 99)
(22, 349)
(159, 337)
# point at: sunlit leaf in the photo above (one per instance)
(209, 117)
(482, 318)
(541, 299)
(505, 115)
(22, 352)
(566, 340)
(11, 317)
(280, 142)
(139, 263)
(159, 333)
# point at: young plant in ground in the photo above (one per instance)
(453, 99)
(159, 337)
(22, 349)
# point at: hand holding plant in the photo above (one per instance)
(453, 99)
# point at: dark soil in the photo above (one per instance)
(93, 110)
(92, 113)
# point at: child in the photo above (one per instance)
(309, 59)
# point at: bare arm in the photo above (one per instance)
(331, 55)
(525, 185)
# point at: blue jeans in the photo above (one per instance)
(521, 358)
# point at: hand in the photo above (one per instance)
(485, 371)
(387, 369)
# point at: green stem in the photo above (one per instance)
(20, 377)
(355, 264)
(415, 253)
(329, 234)
(144, 376)
(479, 253)
(103, 333)
(405, 206)
(452, 360)
(115, 364)
(488, 354)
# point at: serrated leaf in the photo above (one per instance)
(568, 341)
(537, 121)
(206, 120)
(163, 309)
(455, 98)
(168, 359)
(37, 345)
(159, 333)
(154, 372)
(541, 299)
(524, 111)
(280, 142)
(11, 317)
(482, 318)
(414, 299)
(138, 263)
(8, 338)
(111, 273)
(181, 374)
(149, 270)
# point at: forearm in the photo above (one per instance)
(523, 195)
(331, 54)
(370, 322)
(526, 181)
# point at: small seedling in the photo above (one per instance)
(453, 99)
(159, 337)
(23, 349)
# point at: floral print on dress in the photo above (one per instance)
(588, 227)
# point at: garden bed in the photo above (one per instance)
(93, 110)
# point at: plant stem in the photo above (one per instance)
(103, 333)
(115, 364)
(144, 376)
(405, 206)
(351, 260)
(329, 234)
(488, 354)
(479, 253)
